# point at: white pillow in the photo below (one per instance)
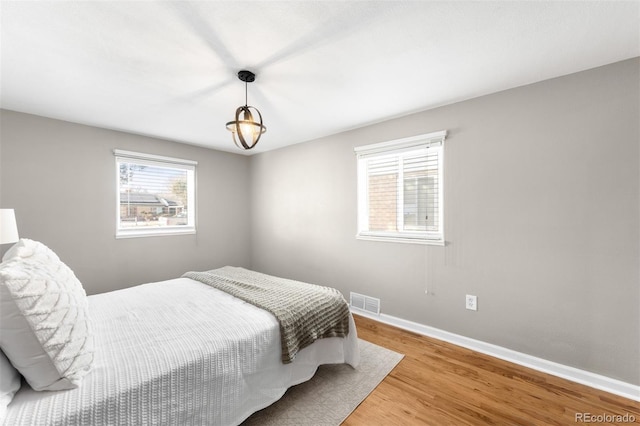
(46, 331)
(9, 384)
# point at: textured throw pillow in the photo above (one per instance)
(46, 330)
(9, 384)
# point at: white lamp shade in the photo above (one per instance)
(8, 227)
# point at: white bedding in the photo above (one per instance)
(178, 352)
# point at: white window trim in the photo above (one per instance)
(395, 147)
(156, 160)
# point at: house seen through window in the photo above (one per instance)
(156, 195)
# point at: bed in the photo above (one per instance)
(178, 352)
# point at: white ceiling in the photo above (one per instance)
(168, 69)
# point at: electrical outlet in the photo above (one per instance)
(471, 302)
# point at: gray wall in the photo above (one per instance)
(541, 221)
(60, 179)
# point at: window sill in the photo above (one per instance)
(137, 233)
(401, 240)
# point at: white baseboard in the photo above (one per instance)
(587, 378)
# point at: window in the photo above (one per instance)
(400, 190)
(155, 196)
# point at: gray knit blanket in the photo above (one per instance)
(306, 312)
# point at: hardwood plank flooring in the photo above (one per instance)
(438, 383)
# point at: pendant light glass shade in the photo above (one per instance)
(246, 129)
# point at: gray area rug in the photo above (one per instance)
(332, 394)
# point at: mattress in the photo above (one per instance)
(178, 352)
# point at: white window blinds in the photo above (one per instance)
(156, 195)
(400, 190)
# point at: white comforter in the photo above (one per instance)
(178, 352)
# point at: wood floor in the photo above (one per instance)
(438, 383)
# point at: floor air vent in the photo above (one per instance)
(365, 303)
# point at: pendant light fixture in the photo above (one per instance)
(245, 129)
